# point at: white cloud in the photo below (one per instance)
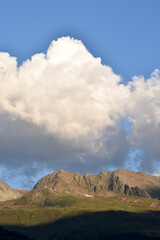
(157, 173)
(66, 107)
(143, 111)
(67, 91)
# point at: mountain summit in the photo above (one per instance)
(104, 184)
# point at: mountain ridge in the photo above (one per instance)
(7, 193)
(105, 183)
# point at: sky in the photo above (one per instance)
(79, 87)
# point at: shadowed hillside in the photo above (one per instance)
(110, 225)
(67, 217)
(11, 235)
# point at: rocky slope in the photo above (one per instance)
(109, 183)
(7, 192)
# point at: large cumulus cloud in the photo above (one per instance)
(65, 109)
(67, 91)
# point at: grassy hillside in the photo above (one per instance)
(69, 217)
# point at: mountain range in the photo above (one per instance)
(104, 184)
(112, 205)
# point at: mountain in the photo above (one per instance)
(49, 189)
(7, 193)
(65, 206)
(103, 184)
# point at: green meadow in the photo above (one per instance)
(68, 217)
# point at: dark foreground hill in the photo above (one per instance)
(79, 218)
(11, 235)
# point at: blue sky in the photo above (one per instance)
(125, 35)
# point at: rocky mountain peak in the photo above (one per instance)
(105, 183)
